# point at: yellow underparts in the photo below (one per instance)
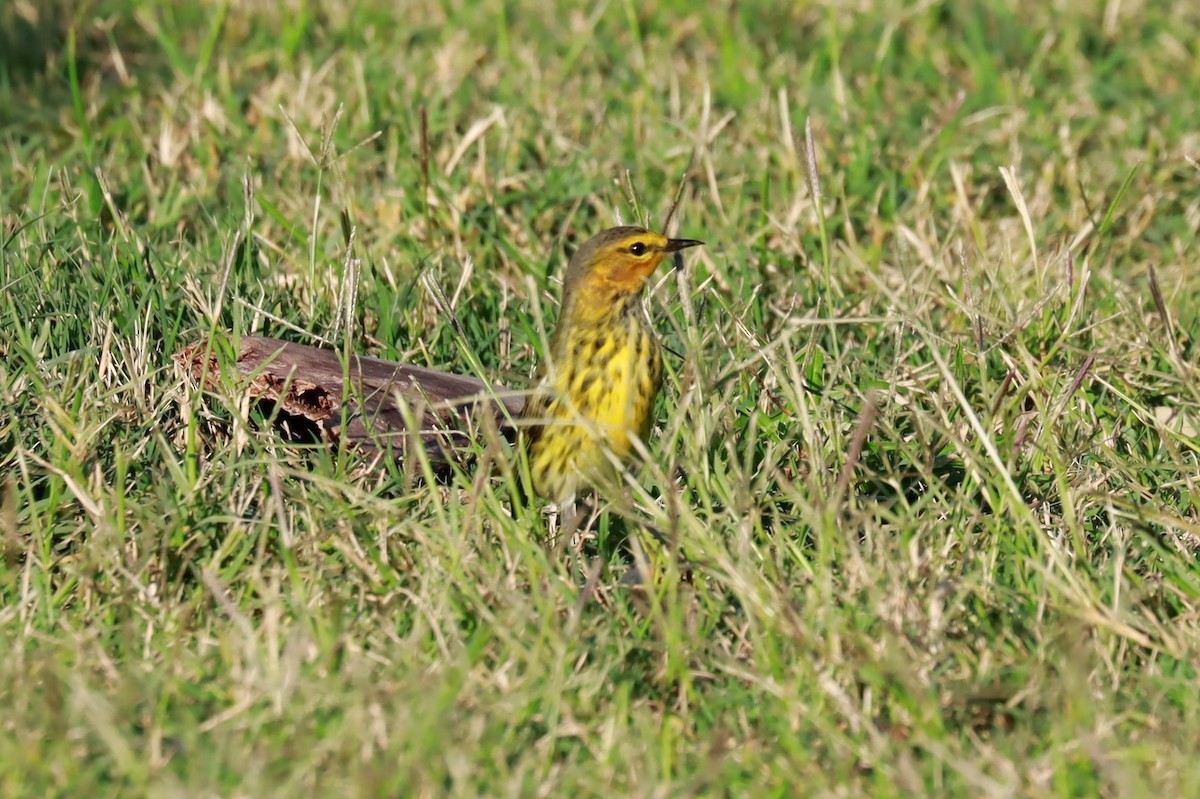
(602, 388)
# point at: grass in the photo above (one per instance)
(931, 439)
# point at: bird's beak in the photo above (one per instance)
(676, 245)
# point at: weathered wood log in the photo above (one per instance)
(311, 393)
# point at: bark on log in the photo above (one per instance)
(309, 390)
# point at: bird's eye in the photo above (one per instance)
(637, 248)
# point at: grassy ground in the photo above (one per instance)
(930, 434)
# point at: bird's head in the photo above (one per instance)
(619, 260)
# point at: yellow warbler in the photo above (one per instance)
(596, 391)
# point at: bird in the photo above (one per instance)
(595, 390)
